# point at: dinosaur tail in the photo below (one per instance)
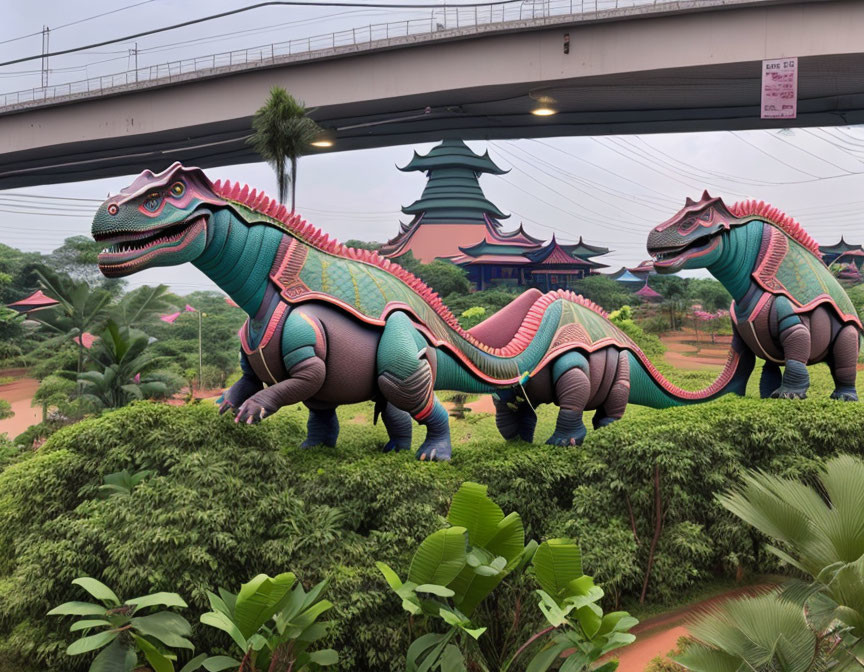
(648, 387)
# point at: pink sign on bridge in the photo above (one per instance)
(780, 88)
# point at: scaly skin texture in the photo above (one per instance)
(329, 325)
(788, 308)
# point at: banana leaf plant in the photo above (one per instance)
(578, 631)
(453, 571)
(273, 622)
(124, 631)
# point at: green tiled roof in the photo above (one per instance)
(453, 194)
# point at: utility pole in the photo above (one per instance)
(200, 356)
(45, 35)
(134, 52)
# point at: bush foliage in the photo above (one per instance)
(226, 501)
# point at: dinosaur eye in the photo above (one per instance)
(178, 188)
(112, 209)
(706, 216)
(152, 202)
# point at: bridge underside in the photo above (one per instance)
(676, 73)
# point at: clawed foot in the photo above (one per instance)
(313, 444)
(393, 446)
(845, 394)
(784, 392)
(252, 411)
(434, 451)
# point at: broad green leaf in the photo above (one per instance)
(472, 509)
(390, 576)
(546, 657)
(91, 643)
(440, 591)
(551, 610)
(86, 625)
(556, 563)
(324, 657)
(98, 590)
(219, 663)
(440, 557)
(160, 599)
(169, 628)
(617, 621)
(217, 619)
(611, 666)
(219, 604)
(259, 599)
(78, 609)
(116, 657)
(195, 663)
(157, 661)
(425, 651)
(452, 659)
(589, 619)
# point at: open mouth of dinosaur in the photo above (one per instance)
(672, 259)
(128, 252)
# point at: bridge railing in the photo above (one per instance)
(439, 20)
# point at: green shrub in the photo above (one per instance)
(229, 501)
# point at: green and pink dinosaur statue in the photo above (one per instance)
(331, 325)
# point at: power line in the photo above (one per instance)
(75, 23)
(270, 3)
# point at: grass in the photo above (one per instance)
(5, 380)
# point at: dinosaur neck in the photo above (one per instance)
(238, 257)
(737, 258)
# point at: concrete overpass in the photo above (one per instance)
(674, 66)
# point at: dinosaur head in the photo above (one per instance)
(159, 220)
(693, 238)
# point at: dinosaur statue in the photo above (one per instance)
(331, 325)
(788, 308)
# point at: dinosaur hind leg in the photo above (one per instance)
(399, 428)
(616, 401)
(322, 428)
(572, 390)
(844, 360)
(514, 416)
(406, 378)
(770, 380)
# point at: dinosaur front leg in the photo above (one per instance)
(304, 380)
(240, 391)
(322, 428)
(514, 416)
(795, 342)
(406, 378)
(844, 361)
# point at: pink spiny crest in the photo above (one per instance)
(775, 216)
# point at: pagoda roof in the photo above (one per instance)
(519, 236)
(452, 193)
(36, 301)
(838, 247)
(453, 154)
(852, 253)
(487, 247)
(584, 250)
(648, 293)
(627, 276)
(496, 259)
(554, 253)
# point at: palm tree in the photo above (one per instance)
(121, 355)
(80, 308)
(283, 133)
(818, 531)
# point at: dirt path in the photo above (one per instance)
(19, 394)
(658, 635)
(681, 349)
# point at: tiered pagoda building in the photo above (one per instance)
(842, 253)
(454, 220)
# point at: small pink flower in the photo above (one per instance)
(169, 318)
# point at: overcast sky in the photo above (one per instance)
(610, 190)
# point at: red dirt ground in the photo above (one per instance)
(19, 393)
(682, 354)
(658, 635)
